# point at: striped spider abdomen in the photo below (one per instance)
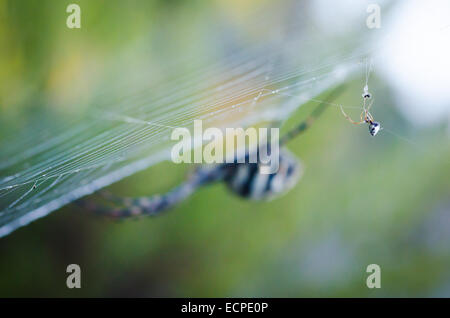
(248, 181)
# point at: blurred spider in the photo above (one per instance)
(366, 116)
(243, 179)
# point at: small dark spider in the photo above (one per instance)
(243, 179)
(366, 116)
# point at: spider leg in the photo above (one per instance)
(349, 119)
(370, 104)
(114, 198)
(133, 207)
(307, 123)
(368, 114)
(154, 205)
(363, 116)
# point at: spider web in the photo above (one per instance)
(261, 68)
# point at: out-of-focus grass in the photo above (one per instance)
(362, 200)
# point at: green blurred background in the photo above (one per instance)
(362, 200)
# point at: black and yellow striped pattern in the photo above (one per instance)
(246, 179)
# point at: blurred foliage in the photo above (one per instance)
(362, 200)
